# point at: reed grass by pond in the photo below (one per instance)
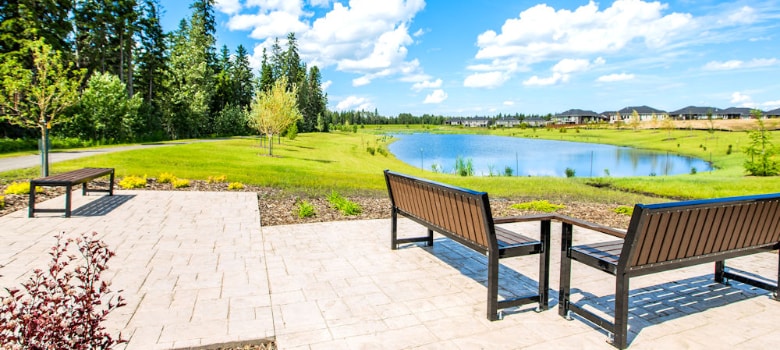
(316, 164)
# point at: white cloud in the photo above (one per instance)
(437, 96)
(319, 3)
(326, 85)
(745, 15)
(552, 80)
(742, 100)
(509, 103)
(738, 64)
(770, 105)
(611, 78)
(427, 84)
(355, 103)
(542, 33)
(365, 37)
(486, 80)
(562, 71)
(228, 6)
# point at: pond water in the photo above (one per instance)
(535, 157)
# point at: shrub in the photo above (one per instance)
(345, 206)
(2, 202)
(728, 151)
(180, 183)
(216, 179)
(63, 306)
(464, 167)
(624, 210)
(305, 209)
(370, 150)
(508, 171)
(235, 186)
(20, 188)
(166, 178)
(569, 172)
(382, 151)
(542, 205)
(693, 170)
(133, 181)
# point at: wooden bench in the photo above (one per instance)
(668, 236)
(68, 180)
(465, 217)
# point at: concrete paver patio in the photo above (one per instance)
(197, 269)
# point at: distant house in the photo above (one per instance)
(507, 122)
(624, 115)
(536, 121)
(736, 113)
(577, 116)
(775, 113)
(693, 113)
(469, 122)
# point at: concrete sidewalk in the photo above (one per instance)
(198, 269)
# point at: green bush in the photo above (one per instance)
(2, 202)
(464, 167)
(624, 210)
(21, 188)
(166, 178)
(235, 186)
(345, 206)
(305, 210)
(542, 205)
(569, 172)
(370, 150)
(133, 181)
(180, 183)
(382, 151)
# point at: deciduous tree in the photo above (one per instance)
(275, 110)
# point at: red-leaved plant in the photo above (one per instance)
(62, 307)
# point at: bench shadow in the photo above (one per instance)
(469, 263)
(653, 305)
(102, 205)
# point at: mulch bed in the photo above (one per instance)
(277, 208)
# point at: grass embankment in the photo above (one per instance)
(316, 164)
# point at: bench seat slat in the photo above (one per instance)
(508, 238)
(608, 252)
(72, 177)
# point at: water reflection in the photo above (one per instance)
(500, 155)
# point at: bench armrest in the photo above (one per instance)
(591, 226)
(524, 218)
(564, 219)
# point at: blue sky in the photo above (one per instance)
(469, 58)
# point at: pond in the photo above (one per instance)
(500, 155)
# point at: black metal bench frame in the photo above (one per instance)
(663, 237)
(68, 180)
(432, 205)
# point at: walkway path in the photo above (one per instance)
(197, 268)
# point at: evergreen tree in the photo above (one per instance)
(243, 78)
(266, 74)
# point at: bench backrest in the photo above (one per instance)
(680, 232)
(461, 214)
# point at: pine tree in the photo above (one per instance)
(242, 78)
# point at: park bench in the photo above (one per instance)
(465, 217)
(68, 180)
(662, 237)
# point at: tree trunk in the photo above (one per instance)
(270, 144)
(44, 151)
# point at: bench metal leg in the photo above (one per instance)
(544, 266)
(720, 267)
(31, 207)
(68, 190)
(430, 238)
(621, 312)
(777, 287)
(492, 280)
(111, 184)
(565, 278)
(393, 229)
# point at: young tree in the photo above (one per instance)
(105, 112)
(275, 110)
(35, 98)
(761, 152)
(635, 120)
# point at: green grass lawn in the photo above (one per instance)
(318, 163)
